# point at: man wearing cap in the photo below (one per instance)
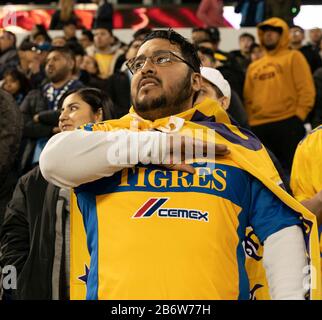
(279, 92)
(216, 87)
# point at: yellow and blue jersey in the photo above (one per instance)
(158, 234)
(153, 233)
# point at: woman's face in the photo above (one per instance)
(11, 85)
(76, 112)
(89, 65)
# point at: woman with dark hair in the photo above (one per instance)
(41, 209)
(88, 104)
(16, 83)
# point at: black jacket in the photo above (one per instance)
(27, 239)
(10, 136)
(312, 57)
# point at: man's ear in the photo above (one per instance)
(224, 101)
(196, 81)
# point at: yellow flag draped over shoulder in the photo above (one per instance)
(248, 154)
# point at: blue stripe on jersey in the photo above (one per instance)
(87, 204)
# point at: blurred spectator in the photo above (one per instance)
(41, 209)
(222, 61)
(38, 35)
(10, 136)
(90, 74)
(279, 92)
(316, 114)
(297, 36)
(315, 35)
(87, 41)
(207, 57)
(211, 13)
(216, 87)
(70, 32)
(79, 54)
(284, 9)
(252, 11)
(118, 84)
(27, 52)
(104, 14)
(59, 41)
(211, 35)
(256, 52)
(8, 52)
(141, 33)
(105, 53)
(16, 83)
(242, 56)
(64, 15)
(306, 178)
(39, 108)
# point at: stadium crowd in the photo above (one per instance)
(270, 86)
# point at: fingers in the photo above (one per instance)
(180, 167)
(222, 150)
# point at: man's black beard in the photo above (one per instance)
(58, 76)
(166, 106)
(270, 47)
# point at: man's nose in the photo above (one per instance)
(148, 67)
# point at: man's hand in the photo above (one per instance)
(184, 148)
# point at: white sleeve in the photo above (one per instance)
(285, 261)
(76, 157)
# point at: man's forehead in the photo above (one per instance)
(154, 45)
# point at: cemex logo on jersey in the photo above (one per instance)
(154, 205)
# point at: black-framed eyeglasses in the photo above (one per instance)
(160, 58)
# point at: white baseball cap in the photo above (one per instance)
(215, 77)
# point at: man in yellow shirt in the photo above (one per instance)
(105, 53)
(279, 92)
(306, 178)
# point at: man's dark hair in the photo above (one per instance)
(205, 30)
(66, 51)
(212, 34)
(247, 35)
(141, 33)
(88, 34)
(207, 52)
(101, 25)
(77, 49)
(297, 27)
(189, 53)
